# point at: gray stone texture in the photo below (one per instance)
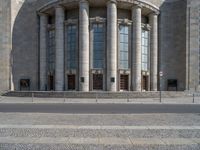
(25, 45)
(153, 21)
(172, 42)
(39, 131)
(137, 49)
(84, 45)
(112, 45)
(5, 44)
(193, 46)
(43, 51)
(178, 40)
(59, 39)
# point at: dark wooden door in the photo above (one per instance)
(124, 82)
(145, 83)
(97, 82)
(51, 82)
(71, 82)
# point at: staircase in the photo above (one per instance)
(108, 95)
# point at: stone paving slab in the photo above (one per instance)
(100, 119)
(100, 141)
(97, 127)
(96, 131)
(94, 147)
(19, 131)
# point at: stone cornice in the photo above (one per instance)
(141, 3)
(98, 20)
(111, 1)
(155, 12)
(42, 14)
(146, 27)
(71, 21)
(51, 26)
(84, 1)
(125, 22)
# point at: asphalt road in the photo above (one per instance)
(100, 108)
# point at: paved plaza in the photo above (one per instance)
(19, 131)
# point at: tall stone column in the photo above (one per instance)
(84, 46)
(112, 46)
(59, 39)
(136, 51)
(43, 51)
(153, 21)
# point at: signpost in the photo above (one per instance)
(160, 75)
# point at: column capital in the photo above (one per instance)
(137, 5)
(111, 1)
(84, 1)
(42, 14)
(146, 27)
(59, 6)
(154, 13)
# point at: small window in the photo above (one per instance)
(172, 85)
(112, 79)
(82, 79)
(25, 85)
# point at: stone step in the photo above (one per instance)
(165, 94)
(101, 143)
(37, 131)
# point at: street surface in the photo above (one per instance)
(98, 126)
(101, 108)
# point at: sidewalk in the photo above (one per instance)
(184, 100)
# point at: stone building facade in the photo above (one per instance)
(99, 45)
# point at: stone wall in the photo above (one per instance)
(25, 45)
(173, 42)
(193, 38)
(5, 44)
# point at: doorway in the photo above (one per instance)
(97, 81)
(71, 82)
(124, 82)
(51, 83)
(145, 83)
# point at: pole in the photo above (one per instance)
(32, 96)
(96, 97)
(160, 94)
(160, 77)
(193, 98)
(128, 98)
(64, 98)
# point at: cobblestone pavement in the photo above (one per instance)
(20, 131)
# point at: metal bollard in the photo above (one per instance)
(32, 97)
(64, 97)
(193, 98)
(128, 100)
(96, 98)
